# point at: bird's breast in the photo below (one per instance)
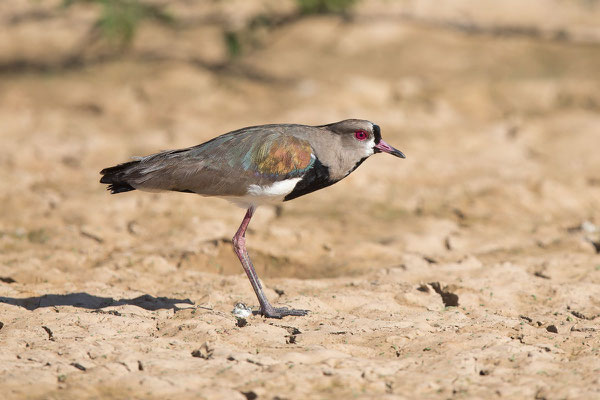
(273, 193)
(276, 189)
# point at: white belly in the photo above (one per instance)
(259, 195)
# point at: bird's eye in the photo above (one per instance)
(360, 135)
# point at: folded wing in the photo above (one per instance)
(224, 166)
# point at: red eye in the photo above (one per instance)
(360, 135)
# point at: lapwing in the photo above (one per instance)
(265, 164)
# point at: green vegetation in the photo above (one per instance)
(325, 6)
(119, 19)
(232, 43)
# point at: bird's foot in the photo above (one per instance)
(280, 312)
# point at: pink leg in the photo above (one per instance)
(239, 246)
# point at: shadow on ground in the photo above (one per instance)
(85, 300)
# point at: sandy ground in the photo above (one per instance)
(496, 210)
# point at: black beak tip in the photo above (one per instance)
(398, 153)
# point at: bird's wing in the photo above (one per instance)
(279, 157)
(226, 165)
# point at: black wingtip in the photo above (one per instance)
(119, 187)
(116, 177)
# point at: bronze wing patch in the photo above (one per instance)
(280, 156)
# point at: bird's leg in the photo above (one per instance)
(239, 246)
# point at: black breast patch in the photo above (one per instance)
(315, 178)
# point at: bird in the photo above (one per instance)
(254, 166)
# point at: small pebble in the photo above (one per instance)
(589, 227)
(205, 351)
(240, 310)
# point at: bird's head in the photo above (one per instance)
(362, 136)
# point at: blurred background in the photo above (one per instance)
(495, 103)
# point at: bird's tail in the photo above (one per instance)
(115, 177)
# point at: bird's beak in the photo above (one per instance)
(386, 148)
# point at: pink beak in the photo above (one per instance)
(386, 148)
